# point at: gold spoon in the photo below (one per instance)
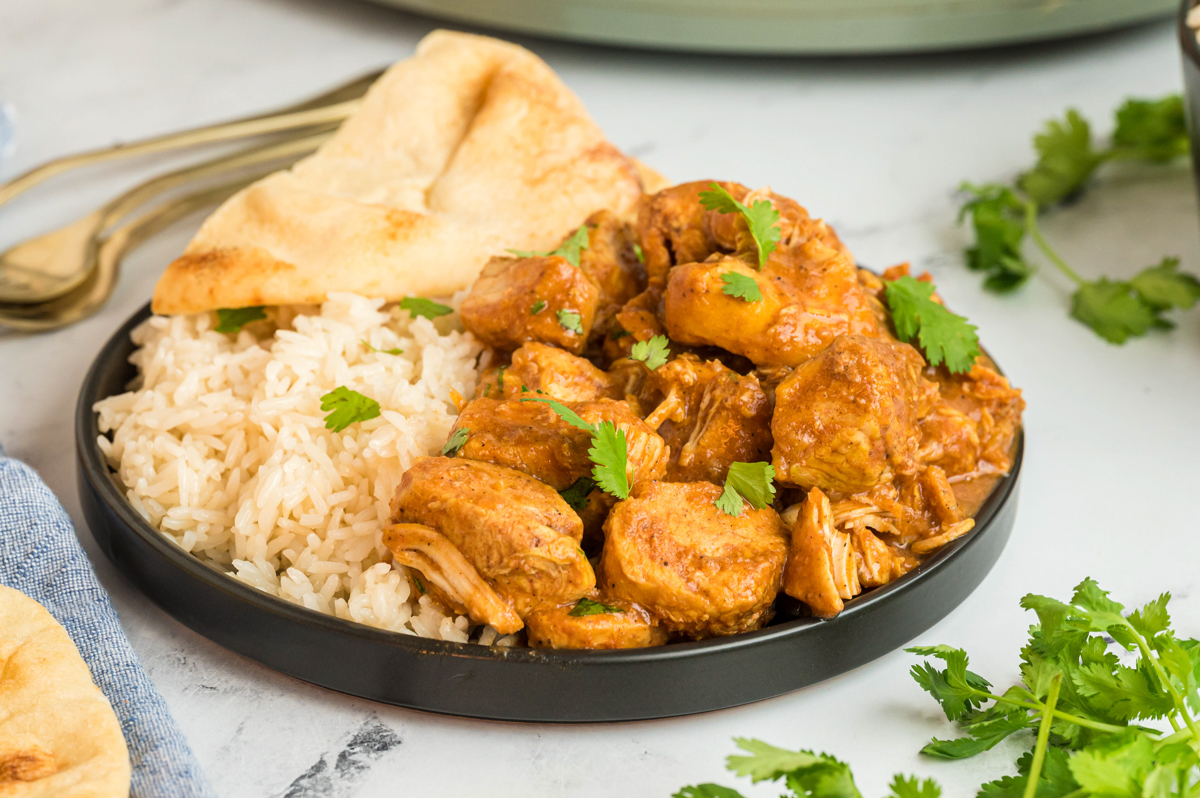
(107, 255)
(51, 265)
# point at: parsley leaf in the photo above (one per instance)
(741, 286)
(231, 320)
(911, 787)
(538, 307)
(346, 407)
(610, 454)
(570, 320)
(609, 450)
(945, 337)
(576, 496)
(585, 606)
(754, 482)
(419, 306)
(571, 248)
(1066, 159)
(1112, 310)
(457, 440)
(393, 351)
(1155, 130)
(998, 218)
(1163, 287)
(653, 352)
(761, 218)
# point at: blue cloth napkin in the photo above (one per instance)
(40, 556)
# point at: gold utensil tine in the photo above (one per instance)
(331, 106)
(55, 263)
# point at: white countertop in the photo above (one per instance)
(875, 146)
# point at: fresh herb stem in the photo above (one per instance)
(1043, 738)
(1038, 706)
(1180, 705)
(1031, 214)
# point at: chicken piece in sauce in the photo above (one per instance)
(971, 428)
(515, 300)
(619, 624)
(517, 532)
(826, 566)
(847, 419)
(710, 416)
(449, 576)
(671, 226)
(702, 572)
(530, 437)
(810, 296)
(611, 262)
(551, 372)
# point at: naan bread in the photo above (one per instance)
(58, 734)
(470, 147)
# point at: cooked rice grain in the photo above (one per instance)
(223, 448)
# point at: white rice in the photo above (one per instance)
(223, 448)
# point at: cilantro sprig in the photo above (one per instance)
(393, 351)
(571, 249)
(420, 306)
(231, 320)
(570, 320)
(944, 336)
(740, 286)
(609, 451)
(586, 606)
(1077, 704)
(456, 441)
(653, 352)
(346, 407)
(1004, 217)
(752, 482)
(761, 217)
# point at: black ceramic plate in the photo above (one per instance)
(505, 683)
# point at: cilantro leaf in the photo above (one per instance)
(571, 248)
(637, 251)
(457, 440)
(945, 337)
(570, 320)
(610, 454)
(420, 585)
(983, 736)
(346, 407)
(911, 787)
(707, 791)
(565, 413)
(419, 306)
(576, 496)
(955, 688)
(1164, 287)
(1113, 310)
(998, 218)
(585, 606)
(1055, 780)
(231, 320)
(393, 351)
(754, 482)
(761, 218)
(1154, 130)
(653, 352)
(768, 763)
(1114, 767)
(1066, 159)
(740, 286)
(537, 307)
(609, 450)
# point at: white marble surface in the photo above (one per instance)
(876, 146)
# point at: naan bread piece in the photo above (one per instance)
(470, 147)
(58, 734)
